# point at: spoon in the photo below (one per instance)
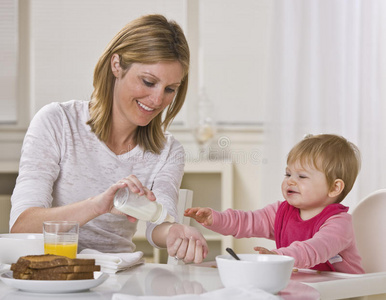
(231, 252)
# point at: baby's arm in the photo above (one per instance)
(238, 223)
(202, 215)
(263, 250)
(335, 235)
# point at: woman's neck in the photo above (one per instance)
(122, 140)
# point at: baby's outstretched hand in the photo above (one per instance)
(202, 215)
(263, 250)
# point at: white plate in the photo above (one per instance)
(53, 286)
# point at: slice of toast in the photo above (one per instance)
(49, 261)
(60, 269)
(54, 276)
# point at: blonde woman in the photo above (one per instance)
(77, 154)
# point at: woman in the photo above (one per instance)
(77, 154)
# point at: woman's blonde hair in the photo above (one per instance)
(331, 154)
(149, 39)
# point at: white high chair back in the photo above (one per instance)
(370, 226)
(185, 199)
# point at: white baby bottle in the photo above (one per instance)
(140, 207)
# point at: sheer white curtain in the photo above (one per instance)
(328, 72)
(8, 60)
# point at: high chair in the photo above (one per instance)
(369, 220)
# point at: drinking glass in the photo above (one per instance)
(61, 238)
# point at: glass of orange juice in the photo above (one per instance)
(61, 238)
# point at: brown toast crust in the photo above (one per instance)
(60, 269)
(53, 267)
(54, 276)
(49, 261)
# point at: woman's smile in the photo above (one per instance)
(145, 107)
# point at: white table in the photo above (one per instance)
(335, 285)
(161, 279)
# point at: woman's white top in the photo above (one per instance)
(63, 162)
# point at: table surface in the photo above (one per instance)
(167, 280)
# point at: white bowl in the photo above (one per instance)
(268, 272)
(14, 245)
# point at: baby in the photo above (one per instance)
(310, 224)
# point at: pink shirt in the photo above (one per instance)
(334, 242)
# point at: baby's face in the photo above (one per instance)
(305, 187)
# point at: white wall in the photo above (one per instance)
(60, 42)
(67, 38)
(234, 41)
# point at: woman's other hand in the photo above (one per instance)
(135, 186)
(105, 201)
(186, 243)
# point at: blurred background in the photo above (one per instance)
(263, 74)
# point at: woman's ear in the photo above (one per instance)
(116, 65)
(336, 188)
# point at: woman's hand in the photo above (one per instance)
(135, 186)
(105, 201)
(186, 243)
(202, 215)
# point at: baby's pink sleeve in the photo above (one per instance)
(245, 224)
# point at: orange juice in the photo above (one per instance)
(68, 250)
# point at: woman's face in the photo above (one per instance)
(144, 91)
